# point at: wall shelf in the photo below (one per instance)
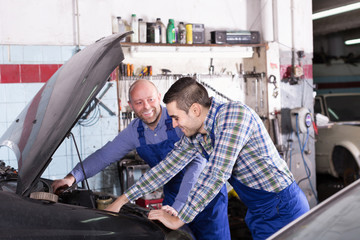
(190, 50)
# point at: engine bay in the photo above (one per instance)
(73, 196)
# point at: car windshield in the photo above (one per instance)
(343, 108)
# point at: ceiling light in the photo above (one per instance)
(335, 11)
(352, 41)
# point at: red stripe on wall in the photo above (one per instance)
(46, 71)
(27, 73)
(10, 73)
(285, 71)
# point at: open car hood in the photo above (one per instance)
(41, 127)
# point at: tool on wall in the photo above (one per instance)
(211, 68)
(217, 93)
(127, 116)
(259, 92)
(256, 94)
(241, 73)
(272, 79)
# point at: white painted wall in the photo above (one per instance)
(300, 37)
(54, 22)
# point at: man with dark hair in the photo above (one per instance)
(239, 150)
(153, 136)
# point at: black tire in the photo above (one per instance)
(345, 165)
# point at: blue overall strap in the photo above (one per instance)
(212, 135)
(170, 130)
(213, 223)
(140, 130)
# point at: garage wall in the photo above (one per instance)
(38, 36)
(54, 22)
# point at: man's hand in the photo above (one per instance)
(170, 210)
(60, 184)
(117, 204)
(168, 220)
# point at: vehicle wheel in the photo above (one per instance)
(350, 175)
(345, 165)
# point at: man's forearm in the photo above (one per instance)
(117, 204)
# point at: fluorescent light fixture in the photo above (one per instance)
(352, 41)
(335, 11)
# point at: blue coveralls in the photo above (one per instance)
(268, 211)
(212, 222)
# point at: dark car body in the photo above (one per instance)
(35, 135)
(335, 218)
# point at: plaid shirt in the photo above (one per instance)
(242, 148)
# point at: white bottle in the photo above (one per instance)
(121, 25)
(156, 34)
(142, 31)
(135, 28)
(127, 29)
(162, 30)
(114, 25)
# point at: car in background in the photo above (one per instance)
(28, 207)
(337, 144)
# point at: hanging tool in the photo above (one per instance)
(144, 72)
(241, 74)
(131, 70)
(272, 79)
(256, 95)
(258, 78)
(165, 71)
(262, 93)
(128, 70)
(215, 91)
(211, 68)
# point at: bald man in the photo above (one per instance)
(152, 135)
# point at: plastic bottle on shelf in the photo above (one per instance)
(156, 33)
(189, 34)
(121, 25)
(127, 29)
(114, 25)
(135, 28)
(181, 33)
(150, 32)
(162, 30)
(170, 32)
(142, 31)
(176, 34)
